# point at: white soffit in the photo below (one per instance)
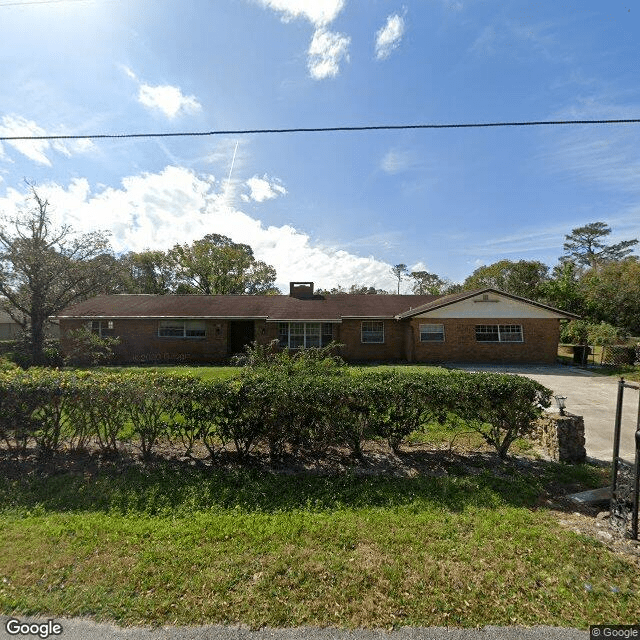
(495, 306)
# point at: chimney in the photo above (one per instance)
(301, 290)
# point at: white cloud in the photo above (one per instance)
(318, 12)
(262, 189)
(157, 210)
(37, 150)
(396, 161)
(32, 149)
(388, 37)
(167, 99)
(129, 72)
(326, 51)
(327, 48)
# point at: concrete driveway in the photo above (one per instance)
(589, 395)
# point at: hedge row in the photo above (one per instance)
(299, 412)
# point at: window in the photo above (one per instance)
(102, 328)
(301, 335)
(181, 329)
(431, 333)
(499, 333)
(373, 331)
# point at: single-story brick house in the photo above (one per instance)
(485, 325)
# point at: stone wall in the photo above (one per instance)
(562, 437)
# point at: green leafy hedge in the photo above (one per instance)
(297, 408)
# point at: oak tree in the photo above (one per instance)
(215, 265)
(44, 269)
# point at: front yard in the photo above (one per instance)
(442, 538)
(440, 533)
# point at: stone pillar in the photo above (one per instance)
(562, 437)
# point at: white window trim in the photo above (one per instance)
(440, 331)
(184, 335)
(500, 340)
(305, 333)
(362, 332)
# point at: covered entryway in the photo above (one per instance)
(241, 333)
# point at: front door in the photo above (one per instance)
(241, 333)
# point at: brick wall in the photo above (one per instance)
(540, 344)
(140, 342)
(393, 348)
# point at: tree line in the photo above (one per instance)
(593, 279)
(44, 269)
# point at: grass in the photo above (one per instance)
(628, 372)
(166, 545)
(158, 546)
(204, 372)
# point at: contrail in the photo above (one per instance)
(232, 163)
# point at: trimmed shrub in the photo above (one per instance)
(401, 404)
(198, 414)
(501, 407)
(280, 406)
(16, 410)
(151, 401)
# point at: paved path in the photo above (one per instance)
(589, 395)
(75, 629)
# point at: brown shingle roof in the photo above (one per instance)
(328, 307)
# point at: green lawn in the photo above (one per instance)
(170, 544)
(160, 546)
(220, 371)
(204, 372)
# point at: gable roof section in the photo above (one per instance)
(271, 308)
(444, 301)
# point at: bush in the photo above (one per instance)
(16, 410)
(88, 348)
(19, 352)
(151, 406)
(583, 332)
(500, 407)
(198, 407)
(280, 405)
(320, 360)
(35, 404)
(7, 365)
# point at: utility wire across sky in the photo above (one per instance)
(383, 127)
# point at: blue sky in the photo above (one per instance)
(335, 208)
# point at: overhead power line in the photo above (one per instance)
(28, 2)
(382, 127)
